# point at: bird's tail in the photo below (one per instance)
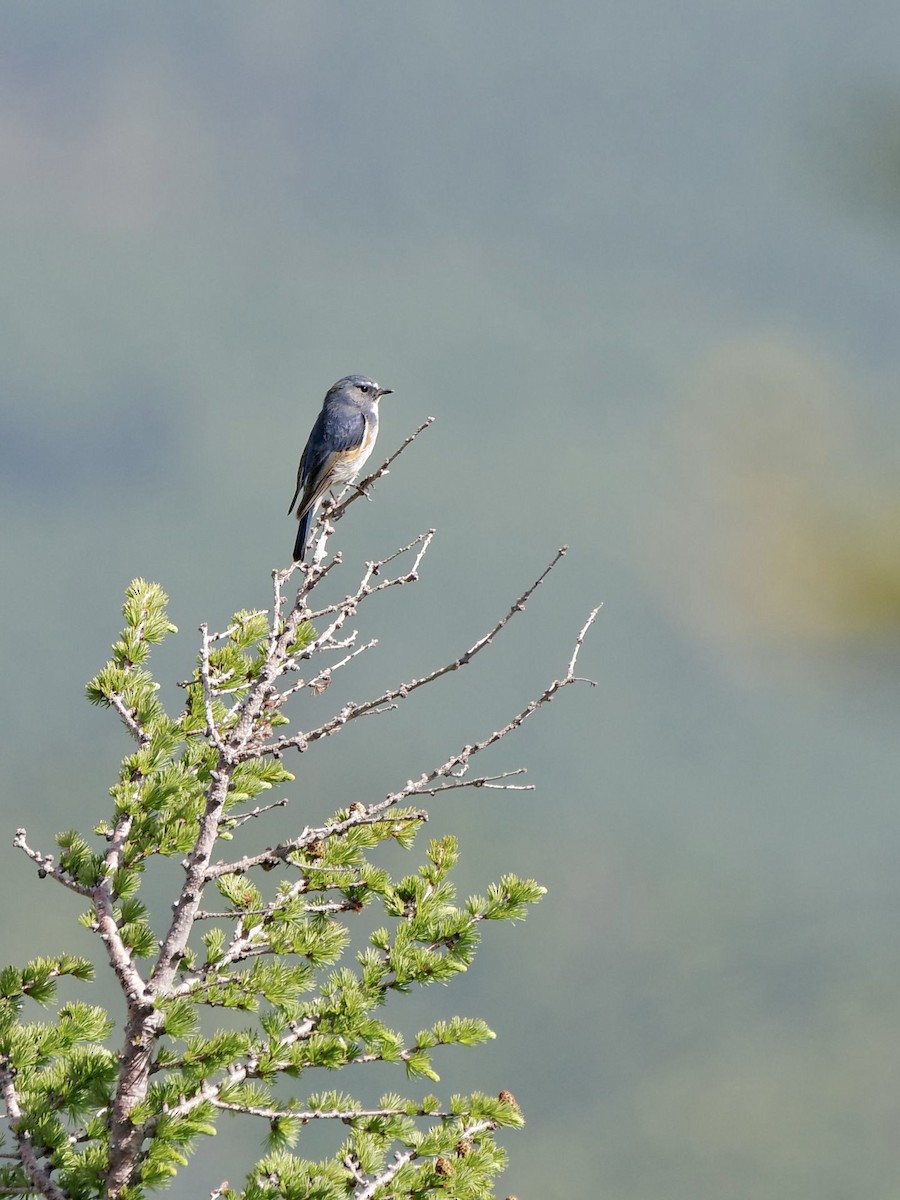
(303, 534)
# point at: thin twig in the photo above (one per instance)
(373, 815)
(349, 604)
(486, 781)
(460, 761)
(46, 866)
(318, 683)
(426, 784)
(129, 720)
(351, 711)
(213, 728)
(335, 1114)
(360, 488)
(233, 628)
(232, 821)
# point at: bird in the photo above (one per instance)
(339, 444)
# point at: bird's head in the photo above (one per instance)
(359, 389)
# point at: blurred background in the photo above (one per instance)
(642, 262)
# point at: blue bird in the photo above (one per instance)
(341, 441)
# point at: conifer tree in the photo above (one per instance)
(111, 1105)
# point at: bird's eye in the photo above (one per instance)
(364, 388)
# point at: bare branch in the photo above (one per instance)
(132, 982)
(485, 781)
(318, 683)
(207, 689)
(455, 767)
(459, 762)
(325, 906)
(233, 628)
(372, 814)
(354, 1168)
(129, 720)
(351, 711)
(349, 604)
(234, 821)
(579, 642)
(188, 901)
(347, 1115)
(362, 487)
(46, 865)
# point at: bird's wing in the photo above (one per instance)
(337, 434)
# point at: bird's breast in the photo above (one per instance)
(349, 467)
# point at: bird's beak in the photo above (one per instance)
(385, 392)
